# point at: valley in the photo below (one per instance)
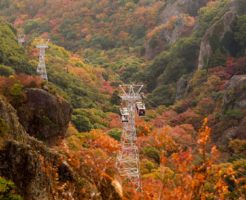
(61, 138)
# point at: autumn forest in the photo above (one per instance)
(69, 132)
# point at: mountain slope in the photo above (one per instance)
(34, 135)
(205, 48)
(191, 57)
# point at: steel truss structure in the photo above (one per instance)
(128, 156)
(41, 69)
(21, 38)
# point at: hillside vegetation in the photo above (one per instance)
(64, 134)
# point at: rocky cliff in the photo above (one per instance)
(39, 172)
(216, 32)
(179, 7)
(219, 39)
(31, 165)
(235, 96)
(177, 19)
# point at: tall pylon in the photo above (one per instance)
(41, 69)
(21, 38)
(128, 157)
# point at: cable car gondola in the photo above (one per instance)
(124, 114)
(140, 108)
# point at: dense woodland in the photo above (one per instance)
(59, 139)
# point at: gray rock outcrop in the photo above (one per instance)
(235, 95)
(218, 29)
(179, 9)
(39, 172)
(26, 161)
(44, 115)
(182, 85)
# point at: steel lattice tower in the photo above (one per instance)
(41, 69)
(128, 157)
(21, 39)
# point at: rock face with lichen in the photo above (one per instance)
(235, 99)
(217, 38)
(173, 25)
(9, 121)
(234, 106)
(25, 164)
(217, 31)
(39, 172)
(235, 96)
(178, 7)
(28, 162)
(182, 86)
(32, 122)
(44, 115)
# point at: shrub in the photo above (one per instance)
(208, 15)
(170, 65)
(12, 89)
(36, 25)
(152, 153)
(238, 146)
(233, 114)
(163, 95)
(6, 71)
(217, 59)
(8, 191)
(115, 133)
(115, 98)
(81, 122)
(240, 32)
(16, 93)
(242, 6)
(147, 166)
(11, 54)
(103, 42)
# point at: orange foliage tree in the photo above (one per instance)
(189, 173)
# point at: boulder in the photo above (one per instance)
(39, 172)
(235, 95)
(43, 115)
(33, 167)
(228, 134)
(241, 133)
(235, 132)
(234, 103)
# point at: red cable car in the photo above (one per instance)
(140, 108)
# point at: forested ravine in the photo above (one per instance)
(60, 138)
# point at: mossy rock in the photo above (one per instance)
(3, 127)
